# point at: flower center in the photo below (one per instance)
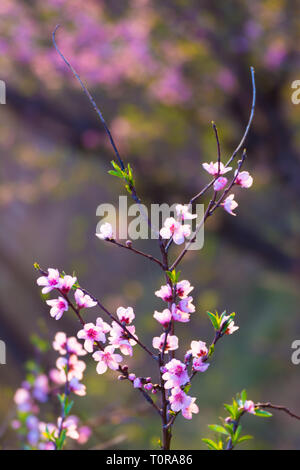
(92, 334)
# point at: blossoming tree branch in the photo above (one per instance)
(112, 336)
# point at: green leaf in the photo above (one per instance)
(237, 434)
(36, 266)
(40, 344)
(218, 428)
(229, 428)
(68, 407)
(115, 173)
(61, 398)
(214, 320)
(211, 444)
(187, 388)
(229, 408)
(243, 395)
(61, 440)
(211, 350)
(263, 413)
(244, 438)
(173, 276)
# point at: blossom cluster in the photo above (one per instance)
(120, 332)
(175, 228)
(38, 389)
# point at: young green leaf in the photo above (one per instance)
(211, 444)
(263, 413)
(218, 428)
(214, 320)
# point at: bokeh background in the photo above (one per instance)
(160, 72)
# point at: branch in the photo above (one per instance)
(203, 191)
(100, 115)
(278, 408)
(134, 250)
(91, 99)
(113, 318)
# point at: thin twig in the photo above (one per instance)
(134, 250)
(241, 143)
(92, 101)
(100, 115)
(278, 408)
(115, 319)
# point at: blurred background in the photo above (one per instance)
(160, 72)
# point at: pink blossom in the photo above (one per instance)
(179, 315)
(244, 179)
(199, 365)
(70, 425)
(190, 409)
(183, 288)
(76, 387)
(230, 204)
(171, 344)
(165, 293)
(183, 213)
(66, 283)
(148, 387)
(32, 424)
(16, 424)
(60, 342)
(91, 333)
(213, 168)
(65, 345)
(105, 327)
(33, 437)
(58, 307)
(176, 374)
(179, 400)
(163, 317)
(22, 399)
(52, 281)
(249, 406)
(120, 339)
(231, 328)
(185, 305)
(57, 377)
(41, 388)
(50, 427)
(106, 232)
(46, 446)
(74, 366)
(106, 359)
(174, 229)
(83, 300)
(84, 434)
(125, 315)
(198, 349)
(137, 383)
(220, 183)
